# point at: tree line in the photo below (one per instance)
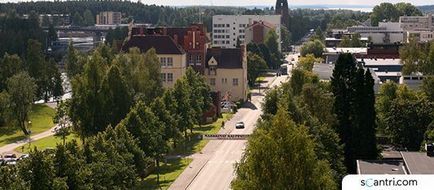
(126, 127)
(24, 80)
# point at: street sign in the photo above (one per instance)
(225, 137)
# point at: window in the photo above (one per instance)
(163, 61)
(163, 77)
(235, 82)
(169, 62)
(212, 81)
(169, 77)
(224, 80)
(198, 60)
(212, 70)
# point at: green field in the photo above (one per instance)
(48, 142)
(42, 120)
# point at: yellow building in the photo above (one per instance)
(172, 58)
(226, 72)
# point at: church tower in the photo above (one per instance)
(282, 9)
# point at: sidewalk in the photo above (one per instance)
(11, 147)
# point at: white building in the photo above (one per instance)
(420, 36)
(227, 29)
(410, 23)
(385, 32)
(108, 18)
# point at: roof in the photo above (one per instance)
(347, 50)
(378, 62)
(227, 58)
(162, 44)
(380, 167)
(262, 23)
(418, 162)
(324, 71)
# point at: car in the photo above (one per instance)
(9, 158)
(24, 156)
(239, 125)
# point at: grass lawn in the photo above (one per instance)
(174, 167)
(42, 120)
(169, 172)
(48, 142)
(260, 79)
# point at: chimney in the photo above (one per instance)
(429, 147)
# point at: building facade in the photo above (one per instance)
(384, 33)
(226, 72)
(410, 23)
(420, 36)
(108, 18)
(228, 30)
(172, 57)
(257, 32)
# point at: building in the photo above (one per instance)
(411, 23)
(228, 30)
(384, 51)
(108, 18)
(283, 10)
(257, 32)
(226, 71)
(402, 163)
(420, 36)
(384, 33)
(413, 81)
(192, 39)
(172, 57)
(332, 54)
(385, 69)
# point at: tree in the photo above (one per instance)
(38, 170)
(255, 65)
(427, 66)
(72, 61)
(286, 38)
(36, 66)
(346, 42)
(21, 89)
(116, 97)
(272, 43)
(9, 66)
(306, 63)
(428, 87)
(282, 151)
(62, 120)
(355, 40)
(181, 94)
(77, 20)
(387, 93)
(10, 178)
(408, 120)
(353, 92)
(88, 18)
(315, 47)
(411, 55)
(87, 101)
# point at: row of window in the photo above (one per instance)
(221, 31)
(221, 25)
(221, 36)
(166, 61)
(194, 59)
(222, 42)
(166, 77)
(212, 81)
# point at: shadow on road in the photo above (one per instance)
(249, 105)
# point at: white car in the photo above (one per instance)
(239, 125)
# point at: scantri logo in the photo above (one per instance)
(388, 182)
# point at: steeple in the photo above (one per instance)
(282, 9)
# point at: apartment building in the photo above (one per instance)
(108, 18)
(227, 30)
(192, 39)
(384, 33)
(411, 23)
(172, 57)
(226, 72)
(257, 32)
(420, 36)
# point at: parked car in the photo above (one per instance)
(10, 158)
(24, 156)
(239, 125)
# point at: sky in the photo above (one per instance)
(267, 2)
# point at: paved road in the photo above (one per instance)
(213, 168)
(11, 147)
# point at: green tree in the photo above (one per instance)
(38, 170)
(255, 65)
(10, 178)
(72, 61)
(286, 38)
(272, 42)
(37, 66)
(21, 89)
(428, 87)
(200, 98)
(279, 152)
(346, 42)
(9, 66)
(306, 63)
(77, 20)
(411, 55)
(315, 47)
(355, 40)
(408, 120)
(88, 18)
(186, 113)
(116, 96)
(427, 66)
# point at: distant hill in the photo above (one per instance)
(427, 8)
